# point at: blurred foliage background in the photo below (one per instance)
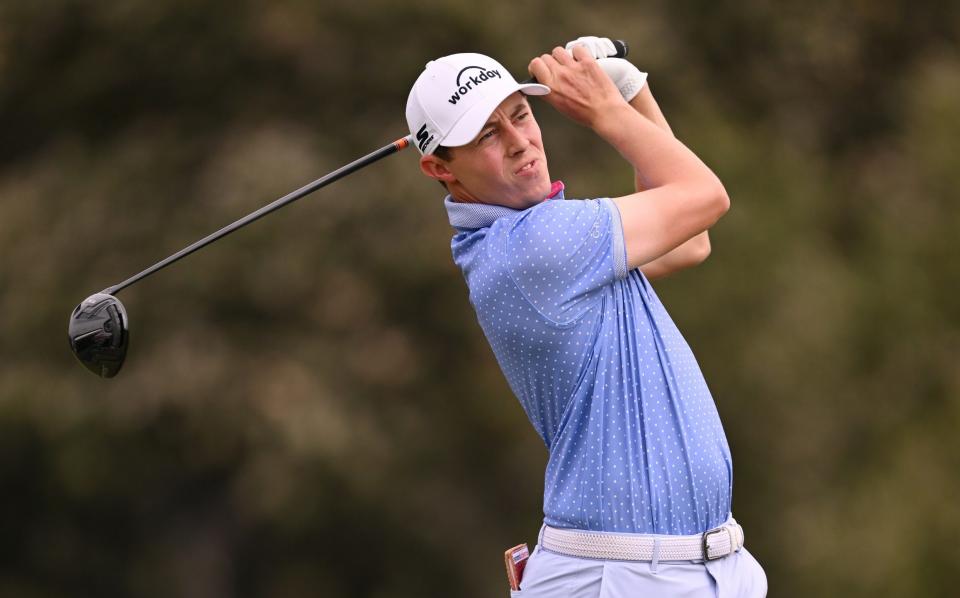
(309, 407)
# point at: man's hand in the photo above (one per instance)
(599, 47)
(579, 88)
(627, 77)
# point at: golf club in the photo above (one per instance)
(99, 327)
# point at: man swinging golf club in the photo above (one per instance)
(637, 492)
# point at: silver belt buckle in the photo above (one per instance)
(706, 547)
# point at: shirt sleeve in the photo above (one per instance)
(561, 253)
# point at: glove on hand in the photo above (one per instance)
(627, 77)
(600, 47)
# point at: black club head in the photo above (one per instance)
(98, 334)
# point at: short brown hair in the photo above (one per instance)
(443, 152)
(446, 154)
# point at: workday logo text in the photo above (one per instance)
(469, 78)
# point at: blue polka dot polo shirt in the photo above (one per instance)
(634, 438)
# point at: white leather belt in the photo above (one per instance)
(711, 545)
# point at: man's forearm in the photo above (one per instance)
(689, 254)
(645, 104)
(696, 249)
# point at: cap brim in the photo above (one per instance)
(472, 121)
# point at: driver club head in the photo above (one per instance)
(98, 334)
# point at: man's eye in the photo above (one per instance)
(488, 134)
(523, 115)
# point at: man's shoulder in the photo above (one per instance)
(509, 237)
(547, 221)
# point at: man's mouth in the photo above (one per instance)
(526, 167)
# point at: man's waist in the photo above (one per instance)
(713, 544)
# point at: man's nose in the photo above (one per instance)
(517, 142)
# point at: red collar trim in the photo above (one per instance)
(555, 189)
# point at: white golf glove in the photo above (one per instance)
(627, 77)
(600, 47)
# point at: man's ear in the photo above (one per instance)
(436, 168)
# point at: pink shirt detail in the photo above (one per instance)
(555, 188)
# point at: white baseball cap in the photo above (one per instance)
(455, 95)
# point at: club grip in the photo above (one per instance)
(622, 49)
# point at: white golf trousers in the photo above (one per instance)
(551, 575)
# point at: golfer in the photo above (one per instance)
(637, 492)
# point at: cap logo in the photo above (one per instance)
(471, 81)
(423, 138)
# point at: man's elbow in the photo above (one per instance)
(718, 200)
(719, 204)
(697, 250)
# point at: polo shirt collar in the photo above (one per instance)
(482, 215)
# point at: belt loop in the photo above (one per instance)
(540, 535)
(655, 557)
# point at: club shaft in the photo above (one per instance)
(341, 172)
